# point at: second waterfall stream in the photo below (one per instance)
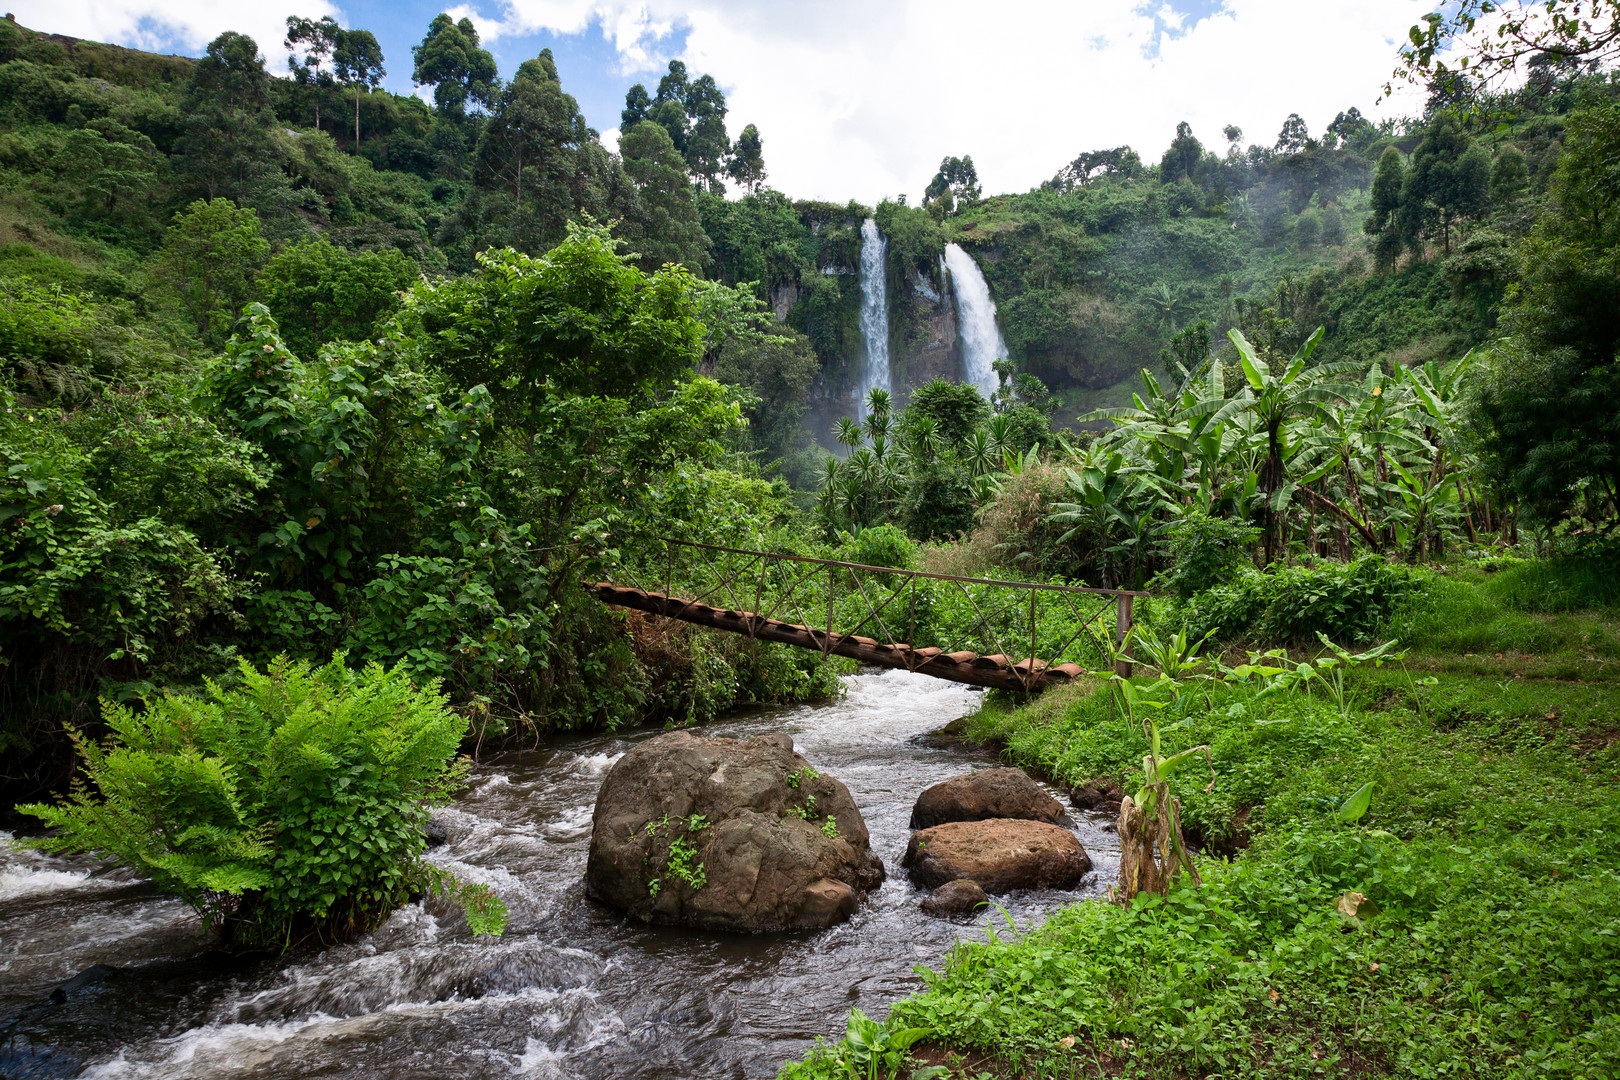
(874, 315)
(982, 344)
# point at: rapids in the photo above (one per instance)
(571, 990)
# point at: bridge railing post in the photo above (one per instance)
(1122, 633)
(832, 590)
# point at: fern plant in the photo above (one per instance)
(289, 804)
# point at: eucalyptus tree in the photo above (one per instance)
(316, 38)
(357, 61)
(450, 60)
(746, 165)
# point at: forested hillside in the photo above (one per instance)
(290, 311)
(1095, 273)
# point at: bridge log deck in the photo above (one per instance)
(1028, 675)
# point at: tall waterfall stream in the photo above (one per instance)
(571, 990)
(982, 344)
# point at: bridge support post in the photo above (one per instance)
(1122, 630)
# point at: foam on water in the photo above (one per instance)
(24, 872)
(595, 764)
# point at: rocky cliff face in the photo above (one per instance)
(923, 340)
(931, 348)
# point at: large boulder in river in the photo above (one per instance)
(979, 796)
(727, 834)
(1001, 855)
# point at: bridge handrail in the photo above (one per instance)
(1033, 585)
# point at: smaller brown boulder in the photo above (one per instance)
(960, 897)
(1000, 855)
(988, 793)
(1102, 795)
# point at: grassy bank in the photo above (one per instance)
(1488, 939)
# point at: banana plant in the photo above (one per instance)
(1104, 489)
(1276, 401)
(1429, 500)
(1152, 849)
(1157, 768)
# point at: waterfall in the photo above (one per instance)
(982, 344)
(874, 316)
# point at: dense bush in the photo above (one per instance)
(1206, 552)
(1348, 602)
(291, 803)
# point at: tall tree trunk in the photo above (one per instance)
(1468, 510)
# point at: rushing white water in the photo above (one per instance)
(874, 316)
(982, 344)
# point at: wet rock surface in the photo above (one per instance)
(986, 794)
(1000, 855)
(960, 897)
(727, 834)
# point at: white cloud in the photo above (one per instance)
(158, 24)
(863, 99)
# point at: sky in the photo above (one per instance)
(862, 98)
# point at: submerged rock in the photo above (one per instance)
(1001, 855)
(989, 793)
(960, 897)
(727, 834)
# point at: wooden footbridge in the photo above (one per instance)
(742, 592)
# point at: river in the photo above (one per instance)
(571, 990)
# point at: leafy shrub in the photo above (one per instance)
(294, 801)
(321, 293)
(939, 503)
(1205, 552)
(96, 582)
(1348, 602)
(881, 545)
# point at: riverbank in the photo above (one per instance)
(1465, 926)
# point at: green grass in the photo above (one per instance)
(1462, 622)
(1489, 945)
